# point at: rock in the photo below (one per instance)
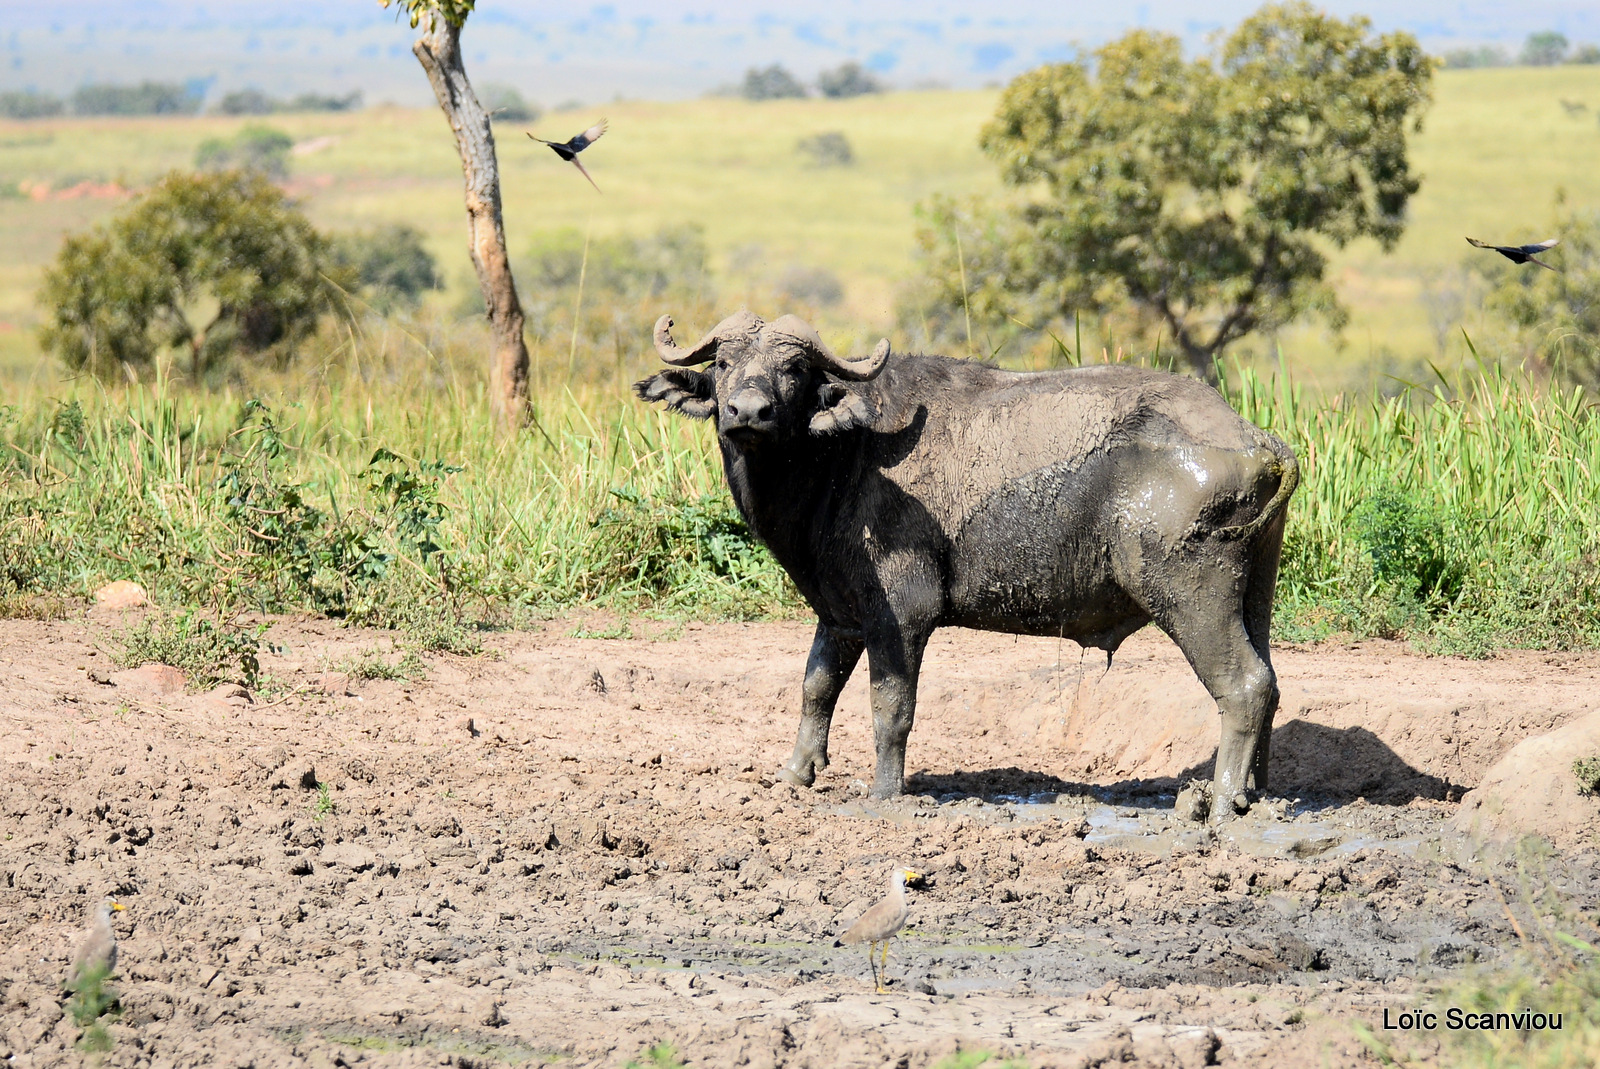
(1194, 802)
(161, 678)
(1195, 1050)
(1532, 790)
(121, 594)
(334, 684)
(229, 694)
(352, 856)
(297, 774)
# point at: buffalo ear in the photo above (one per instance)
(683, 389)
(840, 408)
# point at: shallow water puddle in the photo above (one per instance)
(1153, 828)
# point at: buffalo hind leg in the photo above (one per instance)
(1246, 691)
(828, 668)
(1258, 596)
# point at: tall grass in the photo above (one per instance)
(1458, 512)
(370, 485)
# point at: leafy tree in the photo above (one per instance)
(254, 148)
(827, 149)
(1544, 49)
(1554, 315)
(390, 263)
(1206, 192)
(27, 104)
(351, 101)
(848, 80)
(146, 98)
(247, 102)
(770, 83)
(505, 103)
(211, 263)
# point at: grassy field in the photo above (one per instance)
(1496, 146)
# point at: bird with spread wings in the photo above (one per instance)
(568, 150)
(1519, 254)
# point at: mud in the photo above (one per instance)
(571, 848)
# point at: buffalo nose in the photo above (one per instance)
(747, 406)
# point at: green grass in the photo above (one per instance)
(375, 490)
(731, 167)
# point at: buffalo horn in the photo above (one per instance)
(704, 350)
(823, 357)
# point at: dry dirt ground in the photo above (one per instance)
(570, 848)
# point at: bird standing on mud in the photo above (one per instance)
(1519, 254)
(97, 954)
(880, 923)
(568, 150)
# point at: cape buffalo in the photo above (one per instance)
(904, 493)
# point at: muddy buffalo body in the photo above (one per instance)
(906, 493)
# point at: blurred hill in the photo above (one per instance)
(653, 49)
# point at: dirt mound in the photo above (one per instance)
(572, 848)
(1532, 791)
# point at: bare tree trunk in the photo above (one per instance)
(439, 50)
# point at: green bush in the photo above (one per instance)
(828, 149)
(146, 98)
(125, 291)
(255, 148)
(847, 80)
(505, 103)
(28, 104)
(770, 83)
(390, 263)
(207, 653)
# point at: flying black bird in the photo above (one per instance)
(568, 150)
(1519, 254)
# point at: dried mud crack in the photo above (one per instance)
(570, 849)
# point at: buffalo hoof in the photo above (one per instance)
(1223, 810)
(882, 791)
(790, 774)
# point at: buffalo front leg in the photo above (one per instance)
(895, 660)
(828, 667)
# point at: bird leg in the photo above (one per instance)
(884, 970)
(872, 963)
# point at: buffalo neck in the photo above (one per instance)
(783, 489)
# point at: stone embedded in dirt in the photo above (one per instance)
(1532, 791)
(1194, 802)
(334, 685)
(121, 594)
(297, 774)
(161, 678)
(348, 855)
(229, 694)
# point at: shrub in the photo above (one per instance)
(1544, 49)
(848, 80)
(390, 263)
(125, 290)
(1587, 770)
(828, 149)
(254, 148)
(147, 98)
(27, 104)
(505, 104)
(351, 101)
(247, 102)
(770, 83)
(1484, 56)
(207, 653)
(811, 285)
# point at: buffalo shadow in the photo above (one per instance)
(1321, 764)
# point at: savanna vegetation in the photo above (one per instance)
(348, 465)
